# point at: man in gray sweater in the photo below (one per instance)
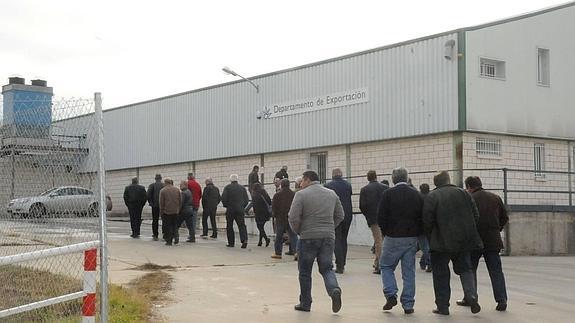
(314, 214)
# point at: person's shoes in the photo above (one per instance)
(213, 237)
(377, 272)
(274, 256)
(339, 270)
(408, 310)
(204, 236)
(168, 243)
(302, 308)
(428, 270)
(268, 242)
(391, 302)
(177, 240)
(191, 240)
(260, 243)
(230, 245)
(289, 253)
(336, 300)
(501, 306)
(475, 308)
(244, 245)
(155, 238)
(423, 267)
(440, 312)
(295, 257)
(462, 302)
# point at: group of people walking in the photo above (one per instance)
(448, 224)
(174, 206)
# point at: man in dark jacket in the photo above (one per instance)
(154, 201)
(235, 198)
(369, 198)
(399, 216)
(135, 198)
(210, 200)
(282, 173)
(492, 220)
(281, 204)
(449, 220)
(186, 214)
(253, 178)
(343, 190)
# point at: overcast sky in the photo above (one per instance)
(133, 51)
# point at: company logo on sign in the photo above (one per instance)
(328, 101)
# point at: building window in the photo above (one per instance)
(488, 147)
(543, 77)
(492, 68)
(318, 163)
(539, 160)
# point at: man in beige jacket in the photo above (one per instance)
(170, 204)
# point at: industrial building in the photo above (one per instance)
(475, 100)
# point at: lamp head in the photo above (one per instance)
(228, 70)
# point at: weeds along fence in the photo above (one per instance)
(52, 223)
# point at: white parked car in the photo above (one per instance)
(56, 201)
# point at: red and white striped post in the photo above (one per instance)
(89, 302)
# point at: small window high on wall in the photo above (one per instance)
(543, 73)
(539, 160)
(492, 68)
(488, 147)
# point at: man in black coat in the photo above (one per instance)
(235, 198)
(449, 220)
(492, 220)
(253, 178)
(399, 216)
(154, 201)
(210, 200)
(369, 198)
(135, 198)
(343, 190)
(282, 173)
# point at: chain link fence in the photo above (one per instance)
(49, 206)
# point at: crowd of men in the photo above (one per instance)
(448, 224)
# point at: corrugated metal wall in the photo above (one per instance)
(412, 91)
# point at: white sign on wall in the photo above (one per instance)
(322, 102)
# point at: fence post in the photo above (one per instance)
(89, 301)
(507, 237)
(102, 210)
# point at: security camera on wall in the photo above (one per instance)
(258, 115)
(448, 49)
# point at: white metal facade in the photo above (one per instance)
(412, 91)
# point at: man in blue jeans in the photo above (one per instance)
(399, 216)
(314, 214)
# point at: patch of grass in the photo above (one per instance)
(153, 267)
(133, 303)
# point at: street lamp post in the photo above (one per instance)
(228, 70)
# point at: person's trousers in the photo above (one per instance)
(341, 233)
(425, 256)
(155, 221)
(240, 221)
(395, 250)
(309, 251)
(211, 213)
(441, 276)
(171, 221)
(493, 262)
(377, 242)
(261, 228)
(281, 228)
(164, 227)
(135, 219)
(189, 218)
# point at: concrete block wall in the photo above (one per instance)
(542, 233)
(518, 153)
